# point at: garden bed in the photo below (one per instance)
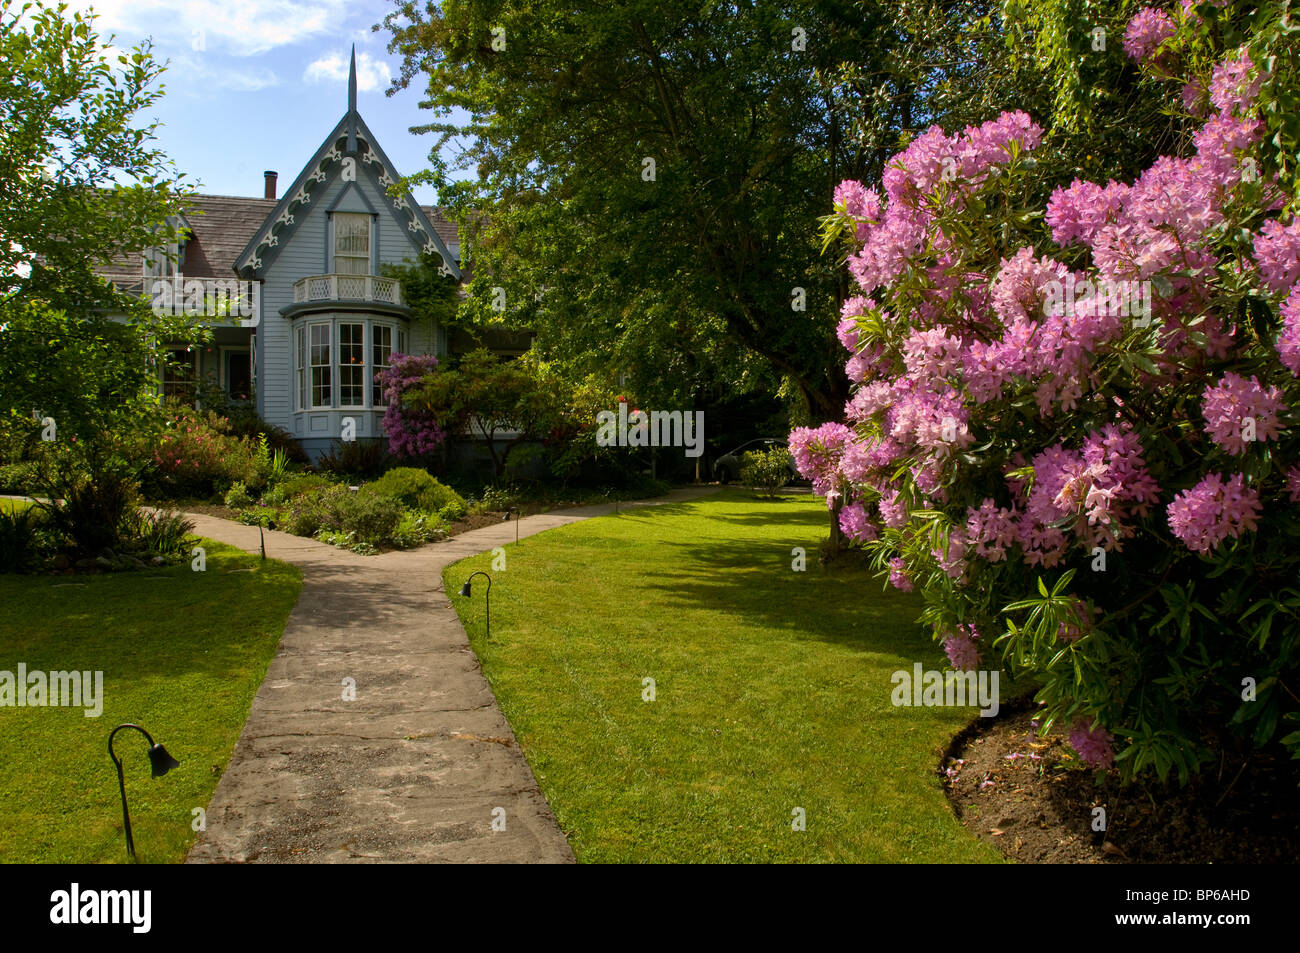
(1030, 798)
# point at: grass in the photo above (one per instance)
(772, 690)
(182, 653)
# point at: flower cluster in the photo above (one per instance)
(1095, 746)
(1149, 28)
(960, 646)
(1214, 509)
(1238, 412)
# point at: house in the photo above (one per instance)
(302, 318)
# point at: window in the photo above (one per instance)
(381, 355)
(352, 365)
(301, 365)
(180, 375)
(351, 243)
(348, 351)
(382, 349)
(320, 365)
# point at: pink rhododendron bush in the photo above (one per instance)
(413, 429)
(1074, 428)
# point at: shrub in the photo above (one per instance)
(94, 512)
(237, 496)
(416, 489)
(766, 470)
(499, 498)
(161, 533)
(1092, 473)
(369, 518)
(317, 509)
(246, 424)
(21, 477)
(296, 486)
(20, 538)
(416, 529)
(412, 431)
(196, 456)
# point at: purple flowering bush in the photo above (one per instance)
(1073, 428)
(413, 430)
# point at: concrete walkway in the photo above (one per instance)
(413, 769)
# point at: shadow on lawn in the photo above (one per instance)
(751, 579)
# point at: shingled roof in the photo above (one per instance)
(223, 226)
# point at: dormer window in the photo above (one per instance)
(351, 243)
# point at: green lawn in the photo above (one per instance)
(772, 689)
(182, 654)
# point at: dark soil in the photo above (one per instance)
(1033, 800)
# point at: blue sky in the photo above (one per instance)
(257, 84)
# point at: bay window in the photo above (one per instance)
(334, 360)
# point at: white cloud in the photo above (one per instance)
(235, 27)
(372, 74)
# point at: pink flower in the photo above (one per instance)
(1234, 85)
(857, 200)
(1288, 339)
(991, 530)
(1077, 212)
(963, 653)
(1277, 253)
(1147, 30)
(856, 525)
(1210, 512)
(1234, 407)
(898, 577)
(1095, 746)
(817, 453)
(1022, 285)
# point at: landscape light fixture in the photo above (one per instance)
(506, 519)
(160, 762)
(487, 599)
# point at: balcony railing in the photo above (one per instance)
(348, 288)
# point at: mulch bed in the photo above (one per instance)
(1032, 799)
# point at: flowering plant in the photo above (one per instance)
(1073, 428)
(413, 429)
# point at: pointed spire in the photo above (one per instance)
(352, 103)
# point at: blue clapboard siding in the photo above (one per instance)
(305, 253)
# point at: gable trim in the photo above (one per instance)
(270, 237)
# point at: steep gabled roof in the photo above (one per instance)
(350, 141)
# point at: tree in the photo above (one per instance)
(648, 178)
(487, 397)
(79, 181)
(79, 184)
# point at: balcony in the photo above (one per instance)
(370, 289)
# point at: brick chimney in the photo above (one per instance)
(271, 176)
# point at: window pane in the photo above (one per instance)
(180, 375)
(302, 367)
(351, 243)
(382, 348)
(320, 365)
(352, 365)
